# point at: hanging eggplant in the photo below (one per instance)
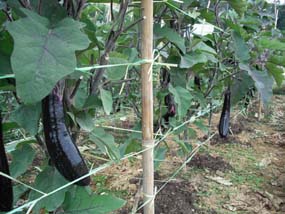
(165, 78)
(171, 107)
(197, 82)
(225, 116)
(6, 190)
(61, 148)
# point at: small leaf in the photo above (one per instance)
(183, 99)
(201, 126)
(23, 157)
(240, 47)
(27, 116)
(6, 48)
(239, 6)
(84, 119)
(43, 54)
(159, 156)
(105, 142)
(48, 180)
(80, 201)
(12, 146)
(80, 98)
(107, 100)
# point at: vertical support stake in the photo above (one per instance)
(147, 106)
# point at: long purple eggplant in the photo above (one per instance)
(6, 190)
(225, 116)
(171, 108)
(61, 148)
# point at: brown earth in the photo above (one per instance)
(243, 173)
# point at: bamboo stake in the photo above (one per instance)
(147, 106)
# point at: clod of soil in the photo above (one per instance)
(237, 128)
(176, 198)
(211, 163)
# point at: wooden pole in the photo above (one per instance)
(147, 106)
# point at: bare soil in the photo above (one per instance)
(206, 161)
(242, 174)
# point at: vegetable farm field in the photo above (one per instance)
(142, 107)
(243, 174)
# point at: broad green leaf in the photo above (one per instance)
(52, 10)
(277, 72)
(240, 47)
(27, 116)
(107, 100)
(277, 60)
(105, 142)
(84, 119)
(18, 191)
(80, 97)
(201, 46)
(23, 157)
(182, 98)
(262, 80)
(239, 6)
(116, 73)
(43, 54)
(241, 85)
(132, 54)
(80, 201)
(171, 36)
(92, 102)
(272, 44)
(132, 145)
(177, 76)
(193, 58)
(48, 180)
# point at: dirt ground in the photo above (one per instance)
(243, 174)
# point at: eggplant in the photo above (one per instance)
(197, 82)
(62, 150)
(171, 107)
(6, 190)
(225, 115)
(165, 78)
